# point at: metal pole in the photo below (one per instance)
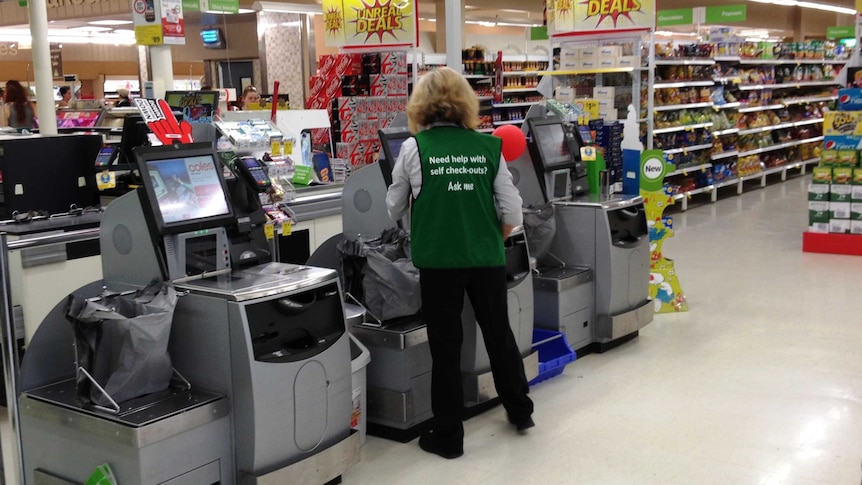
(10, 355)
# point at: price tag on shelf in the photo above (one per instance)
(275, 148)
(269, 230)
(286, 228)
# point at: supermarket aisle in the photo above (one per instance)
(760, 383)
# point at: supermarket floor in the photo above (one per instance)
(759, 383)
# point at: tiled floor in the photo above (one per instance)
(759, 383)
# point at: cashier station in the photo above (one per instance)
(592, 283)
(399, 374)
(263, 345)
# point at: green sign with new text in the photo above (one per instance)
(841, 32)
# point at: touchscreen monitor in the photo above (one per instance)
(185, 187)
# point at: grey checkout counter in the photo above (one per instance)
(263, 345)
(593, 281)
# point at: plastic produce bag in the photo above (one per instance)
(380, 273)
(540, 226)
(122, 342)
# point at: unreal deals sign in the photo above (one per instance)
(585, 16)
(369, 22)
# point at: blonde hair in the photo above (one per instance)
(442, 96)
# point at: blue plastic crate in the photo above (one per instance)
(554, 353)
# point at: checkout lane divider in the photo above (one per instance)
(11, 368)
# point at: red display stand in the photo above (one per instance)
(813, 242)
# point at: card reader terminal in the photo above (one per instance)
(254, 170)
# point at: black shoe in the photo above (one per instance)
(522, 424)
(434, 443)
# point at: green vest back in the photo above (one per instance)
(454, 222)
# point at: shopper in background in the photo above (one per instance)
(249, 98)
(18, 106)
(464, 205)
(66, 94)
(123, 100)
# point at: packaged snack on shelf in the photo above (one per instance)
(856, 187)
(856, 211)
(838, 192)
(839, 226)
(829, 157)
(850, 99)
(842, 175)
(842, 123)
(838, 210)
(822, 175)
(846, 158)
(818, 212)
(855, 227)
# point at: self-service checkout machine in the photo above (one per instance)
(263, 345)
(593, 281)
(399, 375)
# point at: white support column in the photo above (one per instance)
(454, 15)
(162, 64)
(42, 67)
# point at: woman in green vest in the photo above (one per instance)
(463, 205)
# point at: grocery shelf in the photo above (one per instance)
(672, 107)
(684, 62)
(800, 84)
(519, 90)
(771, 148)
(693, 148)
(727, 154)
(790, 62)
(478, 76)
(577, 72)
(485, 130)
(812, 121)
(752, 109)
(508, 122)
(686, 170)
(523, 73)
(729, 131)
(764, 129)
(673, 129)
(514, 105)
(813, 99)
(735, 104)
(485, 98)
(682, 84)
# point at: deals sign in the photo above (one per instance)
(356, 23)
(585, 16)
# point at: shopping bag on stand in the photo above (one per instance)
(121, 343)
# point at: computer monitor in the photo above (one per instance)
(196, 106)
(184, 187)
(134, 134)
(49, 173)
(554, 148)
(391, 140)
(78, 119)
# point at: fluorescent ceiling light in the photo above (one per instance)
(110, 22)
(817, 6)
(88, 28)
(288, 8)
(667, 33)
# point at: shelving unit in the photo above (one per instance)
(766, 117)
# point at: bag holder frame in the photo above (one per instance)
(177, 379)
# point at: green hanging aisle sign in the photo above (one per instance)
(725, 13)
(678, 16)
(841, 32)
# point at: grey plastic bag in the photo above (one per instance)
(391, 286)
(122, 342)
(540, 227)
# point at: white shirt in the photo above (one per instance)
(407, 181)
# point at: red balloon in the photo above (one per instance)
(514, 141)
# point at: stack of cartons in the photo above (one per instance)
(362, 93)
(605, 96)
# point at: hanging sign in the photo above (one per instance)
(173, 25)
(571, 16)
(726, 13)
(841, 32)
(224, 6)
(356, 23)
(158, 22)
(679, 16)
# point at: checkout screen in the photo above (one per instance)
(552, 143)
(187, 188)
(395, 147)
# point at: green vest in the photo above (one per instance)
(454, 222)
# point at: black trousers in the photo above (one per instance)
(442, 302)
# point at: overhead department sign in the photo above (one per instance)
(369, 22)
(584, 16)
